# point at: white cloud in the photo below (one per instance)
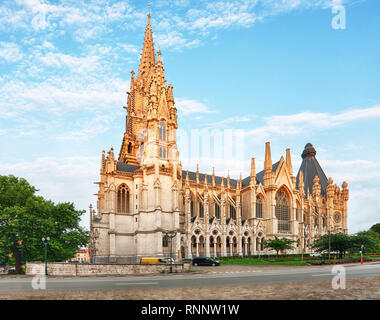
(75, 64)
(59, 108)
(129, 48)
(68, 179)
(227, 122)
(10, 52)
(92, 20)
(61, 96)
(175, 40)
(297, 123)
(188, 106)
(363, 178)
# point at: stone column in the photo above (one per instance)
(189, 248)
(207, 244)
(224, 247)
(239, 247)
(112, 237)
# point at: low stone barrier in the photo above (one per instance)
(77, 269)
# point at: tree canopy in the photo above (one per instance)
(340, 242)
(376, 228)
(26, 218)
(278, 244)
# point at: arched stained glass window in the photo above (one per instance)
(259, 207)
(232, 212)
(123, 199)
(282, 212)
(217, 211)
(200, 210)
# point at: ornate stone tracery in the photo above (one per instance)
(146, 193)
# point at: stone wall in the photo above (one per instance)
(74, 269)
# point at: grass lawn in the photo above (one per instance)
(262, 262)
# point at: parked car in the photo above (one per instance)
(170, 260)
(315, 254)
(205, 262)
(3, 270)
(154, 261)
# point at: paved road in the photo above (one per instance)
(235, 278)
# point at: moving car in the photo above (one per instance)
(205, 262)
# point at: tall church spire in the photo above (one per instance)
(148, 59)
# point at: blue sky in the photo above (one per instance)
(275, 69)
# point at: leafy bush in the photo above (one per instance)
(339, 261)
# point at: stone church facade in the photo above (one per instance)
(145, 192)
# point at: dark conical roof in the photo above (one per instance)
(311, 168)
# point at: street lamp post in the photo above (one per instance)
(329, 243)
(45, 242)
(171, 236)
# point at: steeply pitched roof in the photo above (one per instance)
(260, 175)
(311, 168)
(122, 166)
(218, 180)
(233, 182)
(148, 58)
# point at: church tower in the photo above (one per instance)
(144, 195)
(138, 198)
(151, 119)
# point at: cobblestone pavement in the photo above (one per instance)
(368, 288)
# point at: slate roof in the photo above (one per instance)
(233, 182)
(311, 168)
(218, 180)
(260, 175)
(122, 166)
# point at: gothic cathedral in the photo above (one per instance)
(145, 194)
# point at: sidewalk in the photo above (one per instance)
(356, 289)
(224, 268)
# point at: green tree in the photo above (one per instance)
(279, 244)
(376, 228)
(26, 218)
(339, 242)
(369, 239)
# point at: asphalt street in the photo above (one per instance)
(236, 278)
